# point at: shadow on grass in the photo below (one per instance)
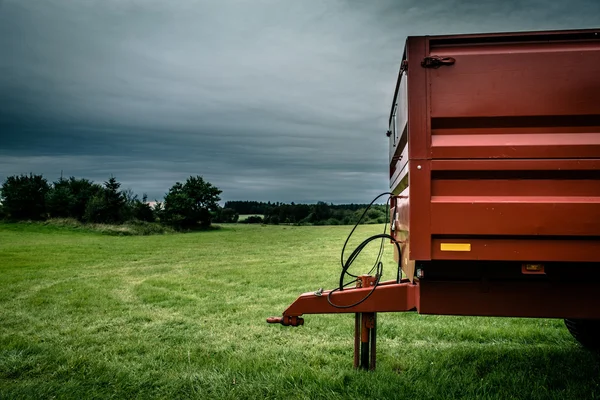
(502, 371)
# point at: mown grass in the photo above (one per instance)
(85, 315)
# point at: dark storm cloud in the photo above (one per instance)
(269, 100)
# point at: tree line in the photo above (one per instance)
(320, 213)
(261, 207)
(187, 205)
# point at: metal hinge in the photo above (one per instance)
(437, 61)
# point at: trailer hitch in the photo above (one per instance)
(286, 320)
(389, 296)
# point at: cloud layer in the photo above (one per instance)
(268, 100)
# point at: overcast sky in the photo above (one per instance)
(267, 100)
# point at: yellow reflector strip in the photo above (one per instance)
(455, 246)
(534, 267)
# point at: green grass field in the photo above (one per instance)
(86, 315)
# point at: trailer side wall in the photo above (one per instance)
(496, 158)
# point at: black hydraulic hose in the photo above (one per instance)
(380, 254)
(378, 266)
(358, 223)
(360, 248)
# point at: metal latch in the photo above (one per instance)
(437, 61)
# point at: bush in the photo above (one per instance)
(94, 210)
(225, 215)
(274, 220)
(253, 219)
(147, 228)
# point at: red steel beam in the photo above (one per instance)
(387, 297)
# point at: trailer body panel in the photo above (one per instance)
(495, 157)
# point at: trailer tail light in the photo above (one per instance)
(533, 269)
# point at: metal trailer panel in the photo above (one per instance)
(500, 150)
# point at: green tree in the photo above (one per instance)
(70, 197)
(189, 204)
(24, 197)
(321, 212)
(82, 191)
(59, 199)
(141, 210)
(107, 206)
(159, 210)
(131, 200)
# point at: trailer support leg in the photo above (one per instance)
(356, 339)
(374, 343)
(365, 340)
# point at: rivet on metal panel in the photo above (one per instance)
(419, 167)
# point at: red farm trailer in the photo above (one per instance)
(494, 152)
